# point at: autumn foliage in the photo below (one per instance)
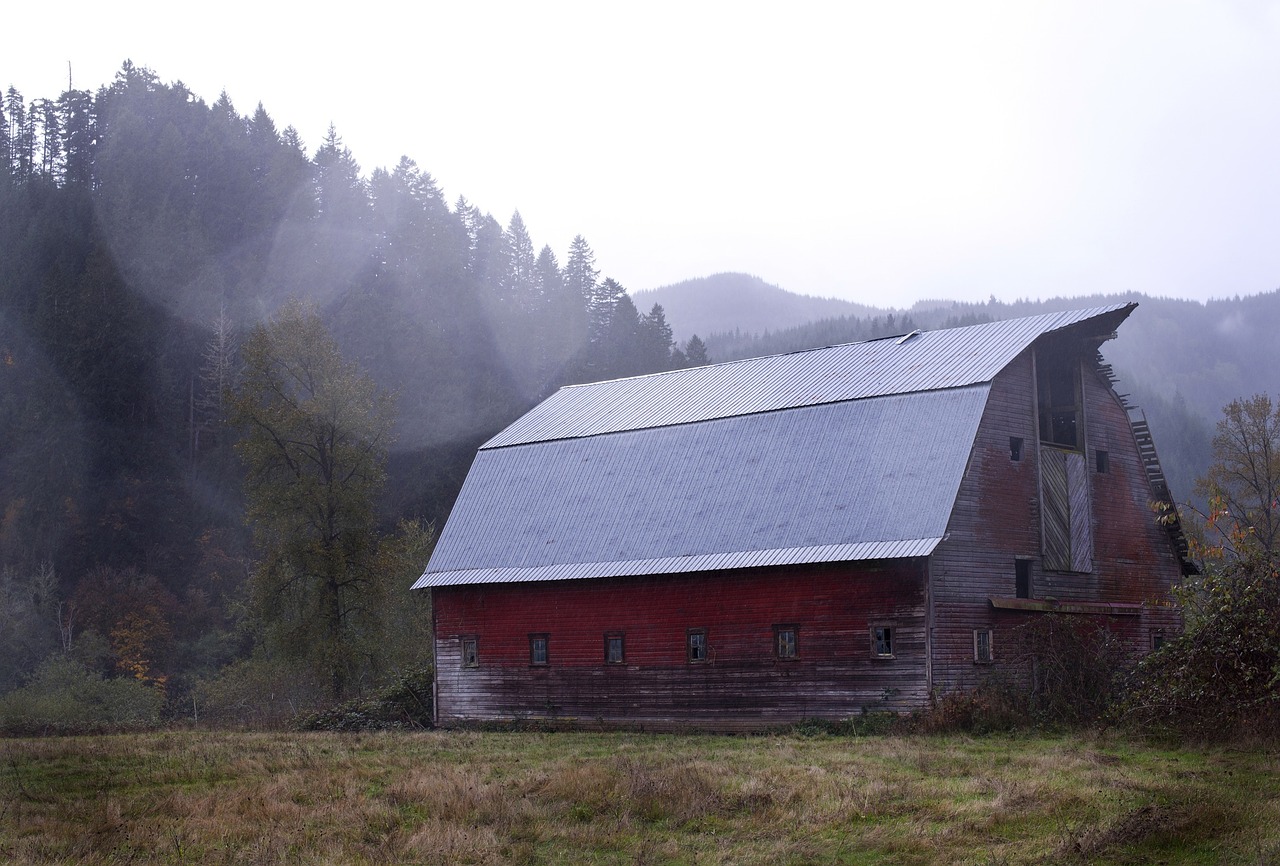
(1221, 678)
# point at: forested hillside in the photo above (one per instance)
(144, 233)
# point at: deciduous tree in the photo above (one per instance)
(1242, 485)
(316, 431)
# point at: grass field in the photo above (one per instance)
(469, 797)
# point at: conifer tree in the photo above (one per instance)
(580, 273)
(519, 282)
(695, 352)
(657, 340)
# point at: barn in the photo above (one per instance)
(809, 535)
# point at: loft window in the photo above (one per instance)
(1022, 578)
(982, 646)
(1015, 448)
(696, 644)
(538, 649)
(1103, 461)
(470, 653)
(786, 642)
(613, 648)
(1058, 398)
(882, 641)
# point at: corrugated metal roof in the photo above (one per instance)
(928, 361)
(852, 480)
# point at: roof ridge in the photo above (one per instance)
(937, 360)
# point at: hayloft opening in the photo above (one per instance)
(1058, 398)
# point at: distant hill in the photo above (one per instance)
(729, 302)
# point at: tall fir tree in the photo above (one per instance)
(580, 272)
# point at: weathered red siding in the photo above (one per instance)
(996, 521)
(741, 686)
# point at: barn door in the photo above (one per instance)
(1068, 520)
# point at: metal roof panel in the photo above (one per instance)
(930, 360)
(856, 477)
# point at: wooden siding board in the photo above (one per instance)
(1057, 509)
(741, 686)
(1081, 515)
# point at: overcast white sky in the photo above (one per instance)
(882, 152)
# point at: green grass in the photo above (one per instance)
(560, 798)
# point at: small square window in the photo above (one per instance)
(1157, 640)
(470, 653)
(1022, 578)
(538, 649)
(882, 641)
(1015, 448)
(982, 653)
(1103, 460)
(613, 648)
(786, 641)
(697, 645)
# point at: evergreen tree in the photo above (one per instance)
(602, 306)
(21, 135)
(76, 121)
(622, 351)
(561, 320)
(50, 138)
(580, 273)
(657, 340)
(695, 352)
(519, 282)
(6, 148)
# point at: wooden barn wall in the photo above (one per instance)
(997, 521)
(741, 686)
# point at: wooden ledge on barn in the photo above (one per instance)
(1052, 605)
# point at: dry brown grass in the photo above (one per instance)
(481, 798)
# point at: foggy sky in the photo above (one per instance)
(882, 153)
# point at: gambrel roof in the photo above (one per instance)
(851, 452)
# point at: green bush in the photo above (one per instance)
(257, 692)
(65, 697)
(406, 703)
(1221, 679)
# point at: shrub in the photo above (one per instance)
(994, 705)
(1077, 666)
(65, 697)
(257, 692)
(1071, 672)
(1221, 679)
(406, 703)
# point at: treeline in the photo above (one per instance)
(144, 234)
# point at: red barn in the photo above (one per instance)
(800, 536)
